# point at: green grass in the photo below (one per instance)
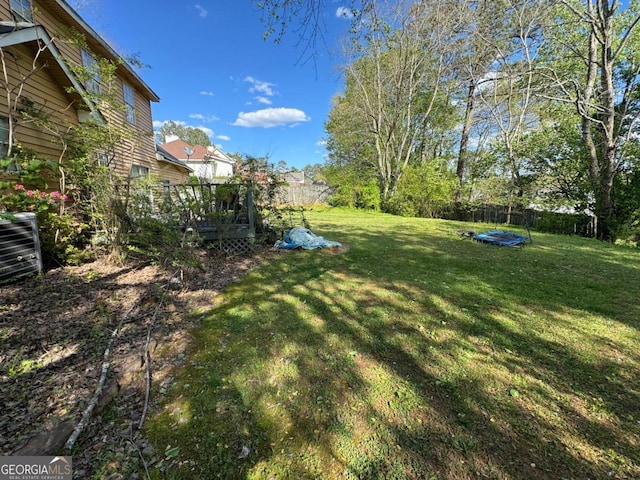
(414, 354)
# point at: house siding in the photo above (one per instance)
(46, 94)
(171, 173)
(138, 147)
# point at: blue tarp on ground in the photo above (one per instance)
(499, 237)
(300, 237)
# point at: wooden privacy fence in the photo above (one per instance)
(223, 213)
(303, 195)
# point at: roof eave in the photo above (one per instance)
(74, 15)
(176, 164)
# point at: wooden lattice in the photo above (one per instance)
(235, 246)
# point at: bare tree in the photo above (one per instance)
(510, 95)
(399, 70)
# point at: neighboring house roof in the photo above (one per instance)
(98, 45)
(178, 147)
(163, 156)
(220, 155)
(293, 177)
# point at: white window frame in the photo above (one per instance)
(91, 64)
(13, 166)
(139, 171)
(129, 101)
(4, 137)
(22, 11)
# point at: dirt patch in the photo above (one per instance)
(54, 330)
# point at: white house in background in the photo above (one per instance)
(294, 178)
(207, 163)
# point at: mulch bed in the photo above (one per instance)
(54, 330)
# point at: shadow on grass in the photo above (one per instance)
(415, 355)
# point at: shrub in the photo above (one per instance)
(62, 238)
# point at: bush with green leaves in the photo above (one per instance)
(63, 238)
(423, 190)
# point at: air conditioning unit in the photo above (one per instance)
(19, 247)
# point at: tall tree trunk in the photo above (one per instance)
(610, 140)
(600, 113)
(464, 139)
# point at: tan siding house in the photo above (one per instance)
(171, 168)
(37, 32)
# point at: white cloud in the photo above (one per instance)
(344, 12)
(206, 130)
(224, 138)
(207, 94)
(263, 100)
(271, 117)
(202, 13)
(204, 118)
(258, 86)
(321, 143)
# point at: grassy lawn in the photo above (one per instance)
(414, 354)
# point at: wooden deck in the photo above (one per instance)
(222, 213)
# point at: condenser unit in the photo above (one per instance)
(19, 247)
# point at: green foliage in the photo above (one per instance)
(159, 242)
(555, 155)
(150, 231)
(358, 194)
(354, 184)
(563, 223)
(28, 168)
(264, 181)
(192, 136)
(424, 188)
(62, 237)
(627, 191)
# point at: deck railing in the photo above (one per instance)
(218, 212)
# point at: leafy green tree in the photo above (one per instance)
(191, 135)
(555, 157)
(594, 60)
(314, 172)
(396, 90)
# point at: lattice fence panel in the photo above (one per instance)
(235, 246)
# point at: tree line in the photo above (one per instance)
(516, 102)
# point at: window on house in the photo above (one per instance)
(138, 171)
(4, 137)
(92, 84)
(102, 159)
(21, 10)
(12, 166)
(130, 102)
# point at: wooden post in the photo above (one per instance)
(250, 210)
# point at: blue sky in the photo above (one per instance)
(212, 70)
